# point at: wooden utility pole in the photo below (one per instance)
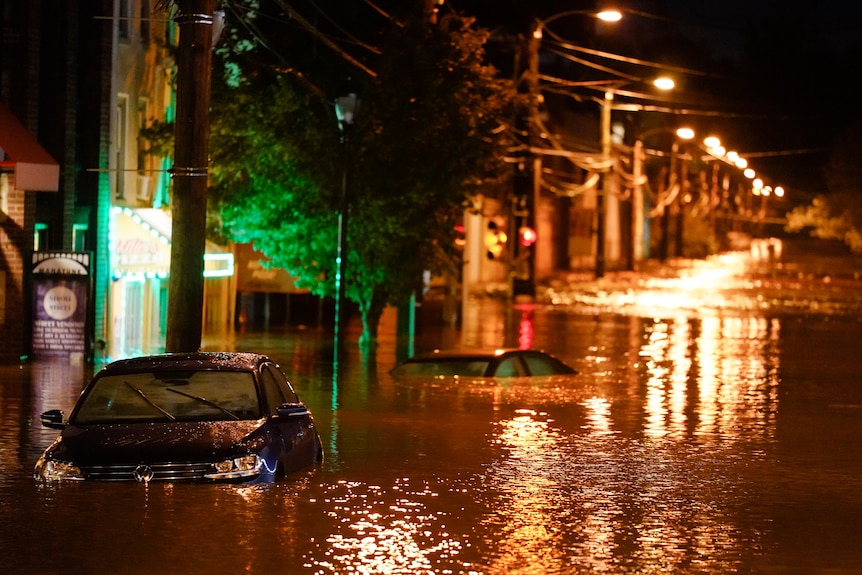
(189, 200)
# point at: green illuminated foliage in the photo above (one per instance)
(427, 136)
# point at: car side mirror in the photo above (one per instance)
(289, 410)
(54, 418)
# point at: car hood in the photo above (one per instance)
(151, 442)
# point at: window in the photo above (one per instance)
(40, 237)
(509, 367)
(79, 237)
(539, 365)
(276, 388)
(160, 396)
(123, 24)
(145, 21)
(120, 118)
(144, 193)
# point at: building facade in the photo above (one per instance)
(84, 79)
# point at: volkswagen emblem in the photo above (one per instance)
(143, 473)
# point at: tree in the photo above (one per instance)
(838, 214)
(427, 136)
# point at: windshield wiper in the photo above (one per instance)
(150, 401)
(205, 401)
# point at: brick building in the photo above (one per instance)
(55, 97)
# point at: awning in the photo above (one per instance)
(35, 169)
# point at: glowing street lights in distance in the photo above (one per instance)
(685, 133)
(664, 83)
(604, 16)
(610, 15)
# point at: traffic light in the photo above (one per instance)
(526, 236)
(460, 236)
(495, 240)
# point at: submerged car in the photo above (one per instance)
(204, 416)
(483, 363)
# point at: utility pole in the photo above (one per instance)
(527, 183)
(601, 196)
(189, 173)
(637, 205)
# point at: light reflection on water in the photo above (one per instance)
(691, 442)
(384, 531)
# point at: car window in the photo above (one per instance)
(540, 364)
(509, 367)
(186, 396)
(444, 367)
(276, 388)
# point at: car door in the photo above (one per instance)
(291, 419)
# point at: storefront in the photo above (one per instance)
(140, 241)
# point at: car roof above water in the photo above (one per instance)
(463, 354)
(200, 360)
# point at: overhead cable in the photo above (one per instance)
(323, 38)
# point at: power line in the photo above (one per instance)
(325, 39)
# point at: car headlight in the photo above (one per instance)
(56, 470)
(245, 466)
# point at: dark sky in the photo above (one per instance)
(837, 24)
(793, 61)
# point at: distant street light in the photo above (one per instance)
(529, 190)
(664, 83)
(610, 15)
(601, 208)
(637, 247)
(533, 76)
(345, 111)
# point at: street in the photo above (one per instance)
(714, 427)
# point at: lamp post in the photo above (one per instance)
(345, 110)
(637, 248)
(605, 127)
(662, 83)
(532, 193)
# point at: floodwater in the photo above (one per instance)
(711, 430)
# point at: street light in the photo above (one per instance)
(611, 89)
(345, 111)
(662, 83)
(532, 168)
(683, 133)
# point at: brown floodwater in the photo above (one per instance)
(697, 438)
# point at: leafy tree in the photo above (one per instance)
(427, 136)
(838, 214)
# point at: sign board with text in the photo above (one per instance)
(61, 294)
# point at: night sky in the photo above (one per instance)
(781, 72)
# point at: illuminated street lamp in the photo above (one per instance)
(530, 195)
(682, 133)
(345, 111)
(662, 83)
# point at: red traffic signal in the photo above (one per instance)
(527, 236)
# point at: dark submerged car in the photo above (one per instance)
(205, 416)
(483, 363)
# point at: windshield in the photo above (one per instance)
(179, 396)
(468, 367)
